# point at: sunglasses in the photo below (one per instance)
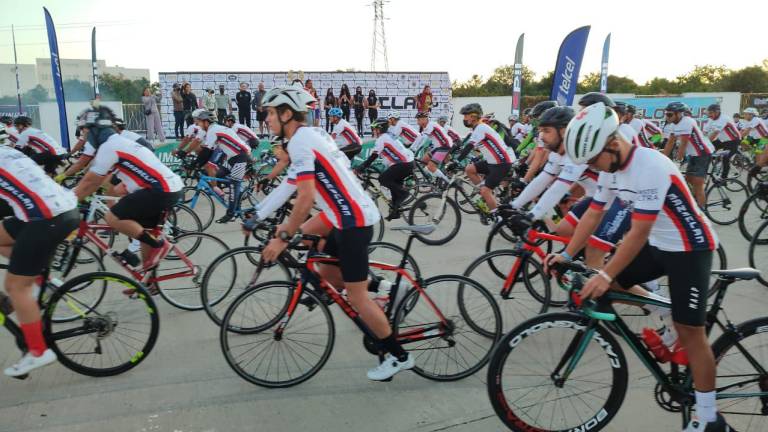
(610, 138)
(669, 114)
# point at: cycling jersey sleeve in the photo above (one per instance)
(302, 163)
(605, 191)
(416, 146)
(568, 175)
(105, 159)
(276, 198)
(534, 189)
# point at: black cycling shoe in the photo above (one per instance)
(310, 301)
(393, 214)
(719, 425)
(227, 218)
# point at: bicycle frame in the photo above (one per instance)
(529, 248)
(203, 185)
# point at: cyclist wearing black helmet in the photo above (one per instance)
(131, 135)
(693, 144)
(39, 146)
(13, 134)
(440, 146)
(398, 160)
(244, 132)
(724, 135)
(622, 109)
(532, 148)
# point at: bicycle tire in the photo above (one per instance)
(203, 206)
(104, 319)
(759, 240)
(418, 216)
(518, 420)
(464, 200)
(179, 224)
(753, 179)
(411, 265)
(721, 200)
(752, 214)
(261, 334)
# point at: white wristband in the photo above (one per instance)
(605, 276)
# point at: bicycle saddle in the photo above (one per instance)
(416, 229)
(744, 273)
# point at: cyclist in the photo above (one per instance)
(39, 146)
(693, 145)
(131, 135)
(244, 132)
(194, 141)
(398, 160)
(452, 134)
(669, 236)
(518, 129)
(319, 172)
(622, 110)
(44, 214)
(531, 147)
(497, 157)
(400, 129)
(647, 133)
(13, 134)
(347, 140)
(723, 134)
(230, 158)
(755, 132)
(440, 144)
(152, 187)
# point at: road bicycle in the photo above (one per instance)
(758, 252)
(754, 211)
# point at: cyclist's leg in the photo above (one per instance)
(496, 173)
(474, 170)
(567, 226)
(696, 174)
(436, 158)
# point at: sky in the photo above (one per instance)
(648, 39)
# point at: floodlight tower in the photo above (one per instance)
(379, 45)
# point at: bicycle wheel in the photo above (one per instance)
(202, 204)
(523, 371)
(752, 214)
(758, 252)
(742, 361)
(183, 220)
(232, 273)
(523, 301)
(108, 338)
(473, 327)
(268, 354)
(390, 253)
(722, 201)
(463, 198)
(754, 178)
(442, 212)
(378, 230)
(179, 275)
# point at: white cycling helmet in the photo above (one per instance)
(512, 117)
(296, 98)
(394, 115)
(201, 114)
(588, 132)
(751, 110)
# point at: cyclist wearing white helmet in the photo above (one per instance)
(452, 134)
(439, 148)
(344, 135)
(320, 173)
(194, 141)
(38, 145)
(401, 129)
(755, 132)
(669, 236)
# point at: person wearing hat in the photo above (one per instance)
(755, 133)
(223, 104)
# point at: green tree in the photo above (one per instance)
(659, 86)
(470, 87)
(702, 79)
(127, 91)
(76, 90)
(589, 82)
(751, 79)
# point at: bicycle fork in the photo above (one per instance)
(572, 355)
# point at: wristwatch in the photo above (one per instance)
(284, 236)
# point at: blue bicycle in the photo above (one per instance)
(202, 198)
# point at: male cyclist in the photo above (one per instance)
(693, 145)
(755, 132)
(244, 132)
(194, 141)
(497, 157)
(401, 129)
(398, 160)
(320, 173)
(44, 215)
(723, 134)
(531, 148)
(39, 146)
(13, 133)
(452, 134)
(440, 144)
(152, 187)
(669, 236)
(347, 140)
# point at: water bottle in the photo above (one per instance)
(656, 345)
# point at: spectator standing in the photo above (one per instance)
(154, 126)
(358, 104)
(223, 104)
(372, 104)
(257, 105)
(178, 111)
(243, 100)
(209, 101)
(313, 115)
(424, 100)
(345, 101)
(331, 101)
(189, 102)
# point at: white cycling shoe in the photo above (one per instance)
(389, 367)
(30, 362)
(718, 425)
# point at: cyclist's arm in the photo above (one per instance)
(276, 199)
(282, 162)
(78, 166)
(534, 189)
(681, 148)
(745, 132)
(88, 185)
(305, 190)
(551, 197)
(368, 162)
(670, 145)
(538, 160)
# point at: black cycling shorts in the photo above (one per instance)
(350, 246)
(48, 161)
(688, 274)
(36, 241)
(145, 206)
(203, 155)
(494, 173)
(698, 166)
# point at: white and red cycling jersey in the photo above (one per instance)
(698, 144)
(195, 132)
(520, 130)
(653, 187)
(757, 127)
(224, 138)
(392, 151)
(628, 132)
(13, 135)
(452, 134)
(29, 191)
(490, 145)
(645, 130)
(436, 134)
(244, 132)
(726, 129)
(339, 195)
(345, 135)
(39, 142)
(405, 131)
(135, 165)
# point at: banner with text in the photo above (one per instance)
(604, 65)
(568, 65)
(652, 108)
(517, 77)
(58, 85)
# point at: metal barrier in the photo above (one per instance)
(135, 120)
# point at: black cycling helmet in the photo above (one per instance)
(472, 108)
(558, 117)
(119, 123)
(592, 98)
(676, 107)
(620, 107)
(540, 107)
(380, 124)
(23, 121)
(6, 120)
(714, 108)
(230, 117)
(631, 109)
(422, 114)
(99, 122)
(527, 111)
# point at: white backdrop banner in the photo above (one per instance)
(396, 90)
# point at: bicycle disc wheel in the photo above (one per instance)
(179, 277)
(523, 302)
(432, 209)
(739, 374)
(232, 273)
(722, 201)
(521, 382)
(758, 252)
(108, 338)
(202, 204)
(473, 326)
(752, 214)
(268, 358)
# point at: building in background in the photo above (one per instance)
(30, 75)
